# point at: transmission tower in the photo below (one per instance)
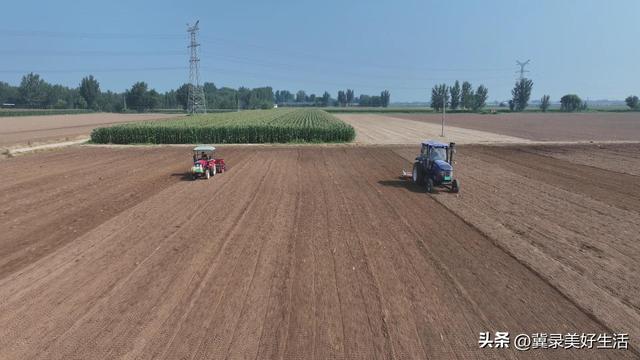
(522, 70)
(196, 102)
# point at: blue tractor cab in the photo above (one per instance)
(434, 166)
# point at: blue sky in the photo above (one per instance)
(586, 47)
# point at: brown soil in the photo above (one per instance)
(546, 126)
(374, 129)
(575, 224)
(622, 159)
(293, 253)
(32, 130)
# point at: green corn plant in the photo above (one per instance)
(257, 126)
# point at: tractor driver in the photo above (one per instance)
(438, 154)
(204, 156)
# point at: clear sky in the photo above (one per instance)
(587, 47)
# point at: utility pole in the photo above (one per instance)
(522, 70)
(195, 101)
(444, 109)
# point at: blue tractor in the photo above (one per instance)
(433, 167)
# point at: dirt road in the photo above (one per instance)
(598, 126)
(293, 253)
(32, 130)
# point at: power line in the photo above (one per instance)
(84, 35)
(107, 70)
(270, 48)
(90, 53)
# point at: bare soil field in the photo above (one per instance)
(32, 130)
(387, 129)
(603, 126)
(576, 223)
(622, 159)
(309, 252)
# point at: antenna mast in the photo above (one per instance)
(196, 102)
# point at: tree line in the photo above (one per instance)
(35, 92)
(345, 98)
(456, 97)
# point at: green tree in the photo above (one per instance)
(632, 102)
(60, 104)
(455, 95)
(570, 102)
(261, 98)
(140, 98)
(135, 96)
(90, 91)
(544, 103)
(8, 93)
(209, 90)
(349, 95)
(326, 98)
(80, 103)
(466, 95)
(342, 98)
(301, 96)
(439, 97)
(385, 98)
(111, 102)
(32, 91)
(521, 93)
(480, 98)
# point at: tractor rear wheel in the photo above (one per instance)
(416, 174)
(455, 186)
(429, 185)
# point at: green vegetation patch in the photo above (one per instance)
(246, 127)
(34, 112)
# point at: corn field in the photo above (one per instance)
(255, 126)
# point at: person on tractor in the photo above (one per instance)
(204, 156)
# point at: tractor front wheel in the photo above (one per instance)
(455, 186)
(207, 174)
(213, 171)
(416, 174)
(429, 185)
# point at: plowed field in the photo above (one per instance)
(599, 126)
(309, 252)
(32, 130)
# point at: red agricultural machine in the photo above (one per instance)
(205, 165)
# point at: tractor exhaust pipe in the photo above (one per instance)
(452, 150)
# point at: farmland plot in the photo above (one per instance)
(258, 126)
(18, 131)
(317, 252)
